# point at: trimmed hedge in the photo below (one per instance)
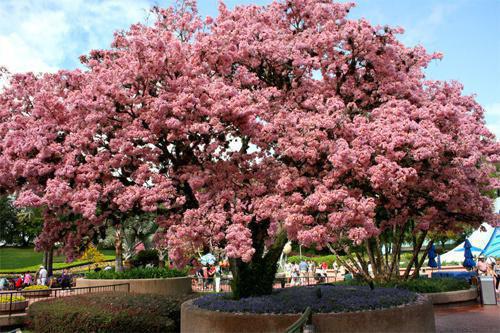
(107, 312)
(137, 273)
(330, 259)
(418, 285)
(55, 266)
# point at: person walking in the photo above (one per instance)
(295, 275)
(482, 266)
(211, 275)
(205, 277)
(496, 269)
(42, 276)
(28, 280)
(18, 284)
(65, 281)
(4, 283)
(303, 272)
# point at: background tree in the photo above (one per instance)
(8, 222)
(19, 226)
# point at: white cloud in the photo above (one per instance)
(423, 31)
(44, 36)
(493, 118)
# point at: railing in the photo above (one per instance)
(303, 324)
(200, 284)
(12, 302)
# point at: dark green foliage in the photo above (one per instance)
(418, 285)
(137, 273)
(18, 227)
(107, 312)
(146, 257)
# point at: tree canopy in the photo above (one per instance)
(267, 123)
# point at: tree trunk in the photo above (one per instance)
(416, 250)
(257, 277)
(420, 262)
(45, 258)
(118, 248)
(50, 261)
(396, 251)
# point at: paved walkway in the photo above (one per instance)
(467, 318)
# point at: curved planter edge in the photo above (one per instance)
(166, 286)
(414, 317)
(453, 296)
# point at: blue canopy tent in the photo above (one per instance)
(492, 249)
(478, 240)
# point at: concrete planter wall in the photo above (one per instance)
(16, 306)
(453, 296)
(414, 317)
(170, 287)
(36, 293)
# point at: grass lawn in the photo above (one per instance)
(14, 260)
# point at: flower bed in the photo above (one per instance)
(107, 312)
(335, 309)
(322, 298)
(36, 291)
(19, 303)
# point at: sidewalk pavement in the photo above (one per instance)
(467, 318)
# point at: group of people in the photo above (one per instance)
(301, 273)
(24, 280)
(206, 275)
(489, 267)
(40, 278)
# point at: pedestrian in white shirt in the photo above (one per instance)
(42, 276)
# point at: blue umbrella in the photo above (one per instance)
(432, 257)
(469, 259)
(208, 259)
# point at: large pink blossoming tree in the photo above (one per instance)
(267, 124)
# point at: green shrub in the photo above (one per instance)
(146, 257)
(431, 285)
(137, 273)
(418, 285)
(107, 312)
(329, 259)
(36, 287)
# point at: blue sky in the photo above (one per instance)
(45, 35)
